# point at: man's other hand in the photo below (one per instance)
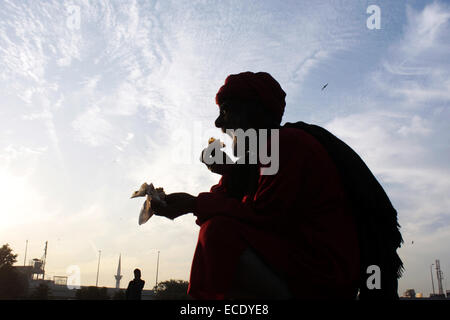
(220, 168)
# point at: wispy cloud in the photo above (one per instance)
(93, 128)
(418, 64)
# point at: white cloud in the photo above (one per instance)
(418, 126)
(91, 83)
(425, 28)
(92, 127)
(417, 67)
(308, 64)
(401, 163)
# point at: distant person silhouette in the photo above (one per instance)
(135, 286)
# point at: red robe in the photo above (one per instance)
(299, 222)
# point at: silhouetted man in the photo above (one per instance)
(293, 234)
(135, 286)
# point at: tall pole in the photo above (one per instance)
(44, 260)
(431, 272)
(439, 277)
(25, 258)
(157, 269)
(98, 266)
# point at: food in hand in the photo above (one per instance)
(153, 194)
(212, 139)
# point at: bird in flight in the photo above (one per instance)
(325, 86)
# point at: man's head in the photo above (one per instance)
(137, 273)
(250, 100)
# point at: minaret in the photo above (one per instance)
(118, 276)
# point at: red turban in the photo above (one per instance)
(259, 86)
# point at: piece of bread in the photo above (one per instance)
(152, 193)
(212, 139)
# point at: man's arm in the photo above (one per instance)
(141, 285)
(127, 292)
(273, 194)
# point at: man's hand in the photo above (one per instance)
(178, 204)
(220, 168)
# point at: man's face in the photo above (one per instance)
(232, 116)
(223, 119)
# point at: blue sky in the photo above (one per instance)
(93, 107)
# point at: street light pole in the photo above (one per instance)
(25, 258)
(98, 266)
(431, 272)
(157, 268)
